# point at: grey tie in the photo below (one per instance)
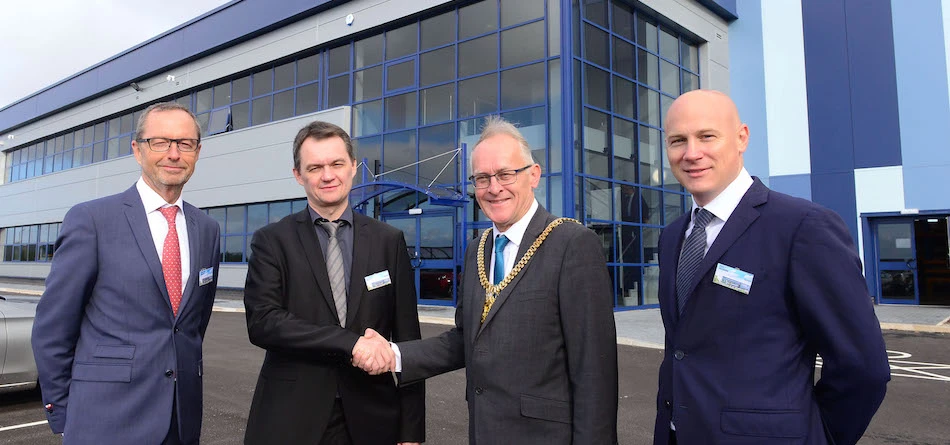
(694, 249)
(335, 270)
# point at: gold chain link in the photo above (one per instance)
(492, 290)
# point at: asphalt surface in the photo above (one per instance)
(915, 411)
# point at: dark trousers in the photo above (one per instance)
(672, 437)
(173, 437)
(336, 432)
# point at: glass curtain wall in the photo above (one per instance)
(628, 68)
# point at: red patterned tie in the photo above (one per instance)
(171, 259)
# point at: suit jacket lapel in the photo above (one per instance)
(537, 225)
(194, 248)
(361, 251)
(138, 222)
(311, 249)
(740, 220)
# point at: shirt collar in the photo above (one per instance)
(347, 216)
(723, 205)
(516, 232)
(152, 200)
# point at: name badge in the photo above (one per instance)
(205, 276)
(378, 280)
(733, 278)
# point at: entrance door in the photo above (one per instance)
(430, 241)
(897, 261)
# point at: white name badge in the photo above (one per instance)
(378, 280)
(733, 278)
(205, 276)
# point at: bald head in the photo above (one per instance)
(705, 141)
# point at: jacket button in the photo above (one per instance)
(478, 390)
(667, 404)
(176, 330)
(679, 355)
(169, 373)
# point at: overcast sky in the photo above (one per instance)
(45, 41)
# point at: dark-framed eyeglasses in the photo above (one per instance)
(503, 177)
(186, 145)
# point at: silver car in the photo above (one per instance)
(17, 368)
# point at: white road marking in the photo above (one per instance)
(909, 369)
(22, 425)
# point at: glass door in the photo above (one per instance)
(430, 241)
(897, 262)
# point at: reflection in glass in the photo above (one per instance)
(625, 97)
(624, 150)
(649, 102)
(401, 111)
(399, 150)
(283, 105)
(596, 11)
(438, 30)
(369, 51)
(235, 220)
(368, 84)
(436, 284)
(256, 217)
(669, 46)
(478, 56)
(401, 42)
(630, 284)
(624, 58)
(596, 87)
(898, 284)
(400, 75)
(478, 95)
(517, 11)
(646, 33)
(437, 66)
(598, 200)
(650, 156)
(669, 78)
(437, 143)
(596, 46)
(338, 60)
(554, 116)
(438, 235)
(523, 86)
(369, 149)
(596, 143)
(478, 18)
(278, 210)
(308, 98)
(263, 82)
(652, 206)
(338, 91)
(673, 203)
(690, 56)
(530, 123)
(522, 44)
(437, 103)
(233, 249)
(622, 20)
(284, 76)
(308, 69)
(367, 118)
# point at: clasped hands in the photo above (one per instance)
(373, 354)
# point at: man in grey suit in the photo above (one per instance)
(538, 339)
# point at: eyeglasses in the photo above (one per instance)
(503, 177)
(163, 144)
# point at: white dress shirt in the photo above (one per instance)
(158, 226)
(722, 207)
(515, 235)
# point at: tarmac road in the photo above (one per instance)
(915, 411)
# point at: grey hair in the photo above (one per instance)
(497, 125)
(163, 106)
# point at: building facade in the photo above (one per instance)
(832, 91)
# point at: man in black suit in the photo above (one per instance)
(316, 280)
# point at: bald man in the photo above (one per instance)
(753, 285)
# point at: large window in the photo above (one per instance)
(239, 222)
(628, 69)
(29, 243)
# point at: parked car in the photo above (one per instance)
(17, 367)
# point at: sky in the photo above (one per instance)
(45, 41)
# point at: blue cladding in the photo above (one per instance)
(795, 185)
(747, 84)
(922, 85)
(836, 191)
(828, 89)
(874, 112)
(229, 24)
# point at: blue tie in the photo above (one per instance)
(500, 243)
(694, 249)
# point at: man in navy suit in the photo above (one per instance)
(753, 285)
(118, 332)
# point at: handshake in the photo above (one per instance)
(373, 354)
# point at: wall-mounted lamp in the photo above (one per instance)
(135, 86)
(169, 78)
(349, 19)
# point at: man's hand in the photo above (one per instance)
(373, 354)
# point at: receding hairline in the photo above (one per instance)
(707, 98)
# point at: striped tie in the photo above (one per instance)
(335, 270)
(694, 249)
